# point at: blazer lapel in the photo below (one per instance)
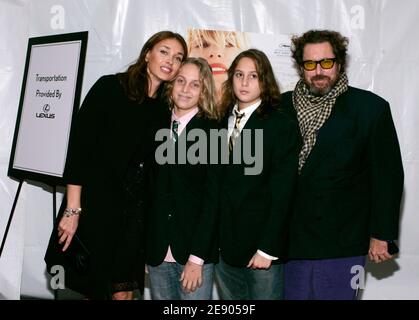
(179, 172)
(193, 123)
(329, 135)
(235, 175)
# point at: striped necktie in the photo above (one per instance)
(175, 125)
(236, 130)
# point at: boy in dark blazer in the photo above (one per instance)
(254, 207)
(181, 226)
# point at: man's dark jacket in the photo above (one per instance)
(350, 187)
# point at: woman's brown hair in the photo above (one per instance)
(135, 80)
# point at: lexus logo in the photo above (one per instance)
(46, 108)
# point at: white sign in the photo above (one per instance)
(47, 106)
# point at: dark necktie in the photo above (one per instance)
(175, 125)
(236, 130)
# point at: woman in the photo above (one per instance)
(115, 130)
(254, 207)
(181, 229)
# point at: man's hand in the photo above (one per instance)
(123, 295)
(259, 262)
(378, 251)
(191, 277)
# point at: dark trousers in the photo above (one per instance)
(323, 279)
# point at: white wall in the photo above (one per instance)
(384, 58)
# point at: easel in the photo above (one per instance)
(9, 221)
(37, 109)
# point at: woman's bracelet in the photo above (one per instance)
(68, 212)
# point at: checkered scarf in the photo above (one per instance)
(313, 111)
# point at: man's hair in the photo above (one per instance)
(338, 42)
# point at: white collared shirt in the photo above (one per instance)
(247, 113)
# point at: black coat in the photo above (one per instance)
(112, 135)
(351, 184)
(254, 209)
(184, 209)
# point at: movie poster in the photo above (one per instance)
(220, 48)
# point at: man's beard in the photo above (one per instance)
(323, 90)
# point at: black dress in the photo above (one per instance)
(112, 140)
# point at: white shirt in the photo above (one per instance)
(247, 113)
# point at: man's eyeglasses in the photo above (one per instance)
(310, 65)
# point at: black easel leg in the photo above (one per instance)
(10, 217)
(54, 203)
(54, 216)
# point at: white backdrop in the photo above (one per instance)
(384, 58)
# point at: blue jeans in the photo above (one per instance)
(165, 284)
(236, 283)
(321, 279)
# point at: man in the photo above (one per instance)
(350, 173)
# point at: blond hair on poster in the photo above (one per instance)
(219, 48)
